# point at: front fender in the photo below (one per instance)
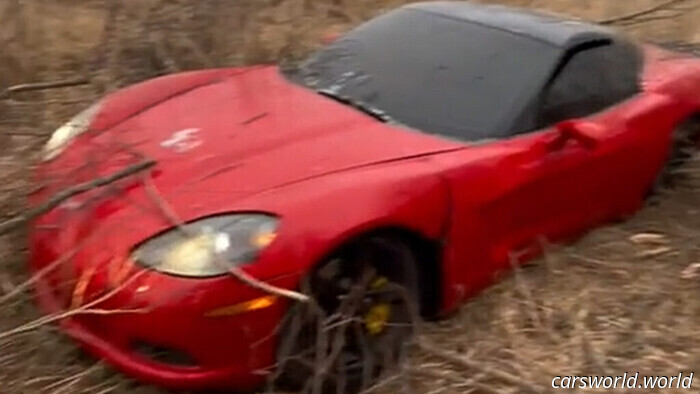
(320, 215)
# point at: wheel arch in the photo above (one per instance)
(426, 251)
(694, 116)
(664, 177)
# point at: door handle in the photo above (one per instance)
(584, 133)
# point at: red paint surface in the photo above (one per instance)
(330, 173)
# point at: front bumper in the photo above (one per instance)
(157, 311)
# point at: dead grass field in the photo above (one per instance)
(614, 302)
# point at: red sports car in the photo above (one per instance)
(421, 153)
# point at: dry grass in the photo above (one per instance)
(604, 306)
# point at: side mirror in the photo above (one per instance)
(584, 132)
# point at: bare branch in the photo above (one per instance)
(87, 309)
(29, 87)
(70, 192)
(46, 270)
(266, 287)
(635, 15)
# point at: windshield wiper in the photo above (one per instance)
(359, 105)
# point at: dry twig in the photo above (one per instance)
(70, 192)
(45, 270)
(646, 12)
(30, 87)
(87, 309)
(481, 367)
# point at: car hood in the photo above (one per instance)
(235, 133)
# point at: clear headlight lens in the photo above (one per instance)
(210, 246)
(63, 136)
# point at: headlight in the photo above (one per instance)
(208, 247)
(62, 137)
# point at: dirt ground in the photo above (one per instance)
(622, 299)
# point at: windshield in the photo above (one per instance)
(433, 73)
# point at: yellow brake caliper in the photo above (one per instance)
(377, 316)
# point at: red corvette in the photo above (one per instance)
(430, 147)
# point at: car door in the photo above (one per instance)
(551, 183)
(577, 162)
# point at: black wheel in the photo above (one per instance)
(360, 323)
(684, 144)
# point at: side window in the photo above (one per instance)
(592, 79)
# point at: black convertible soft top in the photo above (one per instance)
(456, 69)
(550, 28)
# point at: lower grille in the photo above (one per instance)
(163, 354)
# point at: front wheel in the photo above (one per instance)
(361, 320)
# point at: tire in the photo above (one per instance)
(365, 313)
(684, 145)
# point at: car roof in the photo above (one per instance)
(550, 28)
